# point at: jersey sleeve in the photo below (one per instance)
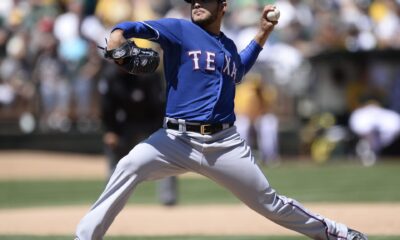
(163, 31)
(249, 55)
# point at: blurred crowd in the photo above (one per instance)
(51, 69)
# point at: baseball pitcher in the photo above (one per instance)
(202, 67)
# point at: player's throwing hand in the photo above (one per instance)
(266, 24)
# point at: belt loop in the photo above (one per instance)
(165, 122)
(182, 125)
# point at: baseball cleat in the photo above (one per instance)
(355, 235)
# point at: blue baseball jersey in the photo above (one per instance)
(201, 69)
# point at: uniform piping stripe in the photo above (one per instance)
(155, 30)
(314, 217)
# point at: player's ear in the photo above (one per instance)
(224, 7)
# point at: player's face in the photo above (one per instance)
(206, 12)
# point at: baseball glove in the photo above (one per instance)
(133, 59)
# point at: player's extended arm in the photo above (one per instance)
(162, 31)
(125, 30)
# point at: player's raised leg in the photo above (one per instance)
(237, 171)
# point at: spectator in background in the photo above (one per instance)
(5, 8)
(255, 119)
(4, 36)
(132, 107)
(15, 72)
(73, 50)
(49, 74)
(385, 15)
(376, 127)
(86, 78)
(7, 94)
(358, 34)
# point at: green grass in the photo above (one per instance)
(186, 238)
(45, 193)
(304, 182)
(338, 182)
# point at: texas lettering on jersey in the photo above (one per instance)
(229, 67)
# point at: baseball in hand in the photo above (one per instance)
(274, 15)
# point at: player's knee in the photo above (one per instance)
(264, 203)
(135, 163)
(128, 166)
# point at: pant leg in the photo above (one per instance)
(237, 171)
(146, 161)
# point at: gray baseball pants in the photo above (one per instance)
(223, 157)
